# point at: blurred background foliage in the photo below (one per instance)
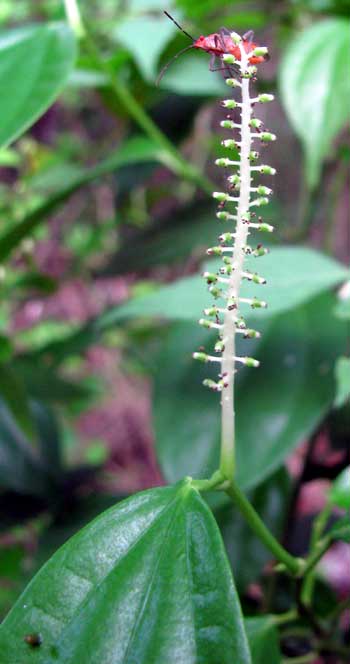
(105, 217)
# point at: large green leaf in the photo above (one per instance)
(294, 275)
(315, 88)
(263, 640)
(147, 581)
(277, 405)
(35, 63)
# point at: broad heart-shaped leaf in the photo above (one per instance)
(340, 491)
(263, 640)
(277, 405)
(294, 275)
(315, 88)
(35, 63)
(147, 581)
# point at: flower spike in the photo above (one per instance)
(244, 193)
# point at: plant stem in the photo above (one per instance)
(74, 17)
(227, 461)
(318, 527)
(174, 160)
(294, 565)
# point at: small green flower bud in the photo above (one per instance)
(229, 143)
(225, 237)
(217, 387)
(267, 170)
(220, 196)
(253, 155)
(261, 201)
(229, 59)
(264, 191)
(258, 280)
(214, 251)
(258, 304)
(229, 103)
(222, 215)
(215, 291)
(266, 136)
(223, 161)
(250, 362)
(212, 311)
(227, 124)
(252, 334)
(210, 277)
(236, 38)
(249, 72)
(219, 346)
(266, 228)
(201, 357)
(204, 323)
(260, 50)
(234, 179)
(264, 98)
(232, 83)
(255, 123)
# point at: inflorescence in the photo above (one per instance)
(236, 206)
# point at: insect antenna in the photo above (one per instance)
(178, 25)
(162, 72)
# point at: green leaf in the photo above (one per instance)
(342, 310)
(263, 640)
(21, 468)
(137, 149)
(277, 405)
(191, 76)
(35, 63)
(315, 88)
(341, 530)
(147, 581)
(13, 392)
(145, 38)
(342, 375)
(289, 284)
(340, 492)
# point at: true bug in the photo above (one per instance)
(217, 44)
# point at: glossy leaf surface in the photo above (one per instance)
(263, 640)
(277, 405)
(287, 271)
(147, 581)
(315, 88)
(35, 63)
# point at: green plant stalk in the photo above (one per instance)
(122, 95)
(318, 527)
(294, 565)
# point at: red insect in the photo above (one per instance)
(217, 44)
